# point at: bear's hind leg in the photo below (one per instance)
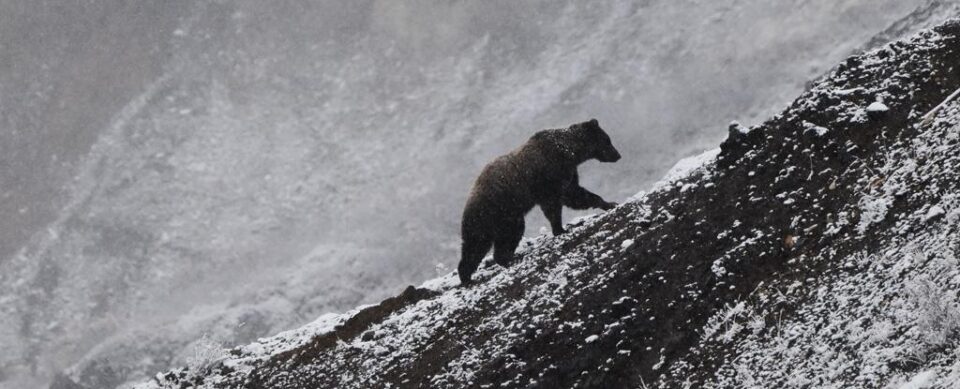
(506, 242)
(471, 253)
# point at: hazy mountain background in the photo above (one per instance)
(215, 171)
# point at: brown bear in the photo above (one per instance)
(541, 172)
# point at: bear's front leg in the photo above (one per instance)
(553, 210)
(579, 197)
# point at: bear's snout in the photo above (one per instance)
(610, 155)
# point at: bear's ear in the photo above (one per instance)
(587, 127)
(591, 125)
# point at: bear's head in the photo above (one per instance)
(595, 142)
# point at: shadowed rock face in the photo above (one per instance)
(772, 239)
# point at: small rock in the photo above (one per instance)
(934, 212)
(367, 336)
(876, 110)
(789, 241)
(739, 139)
(953, 216)
(877, 106)
(813, 130)
(736, 132)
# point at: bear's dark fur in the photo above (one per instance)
(541, 172)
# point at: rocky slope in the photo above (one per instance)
(246, 179)
(818, 249)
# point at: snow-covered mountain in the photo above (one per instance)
(818, 249)
(235, 169)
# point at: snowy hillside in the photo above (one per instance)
(227, 170)
(818, 249)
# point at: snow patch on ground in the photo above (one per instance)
(679, 171)
(921, 381)
(877, 106)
